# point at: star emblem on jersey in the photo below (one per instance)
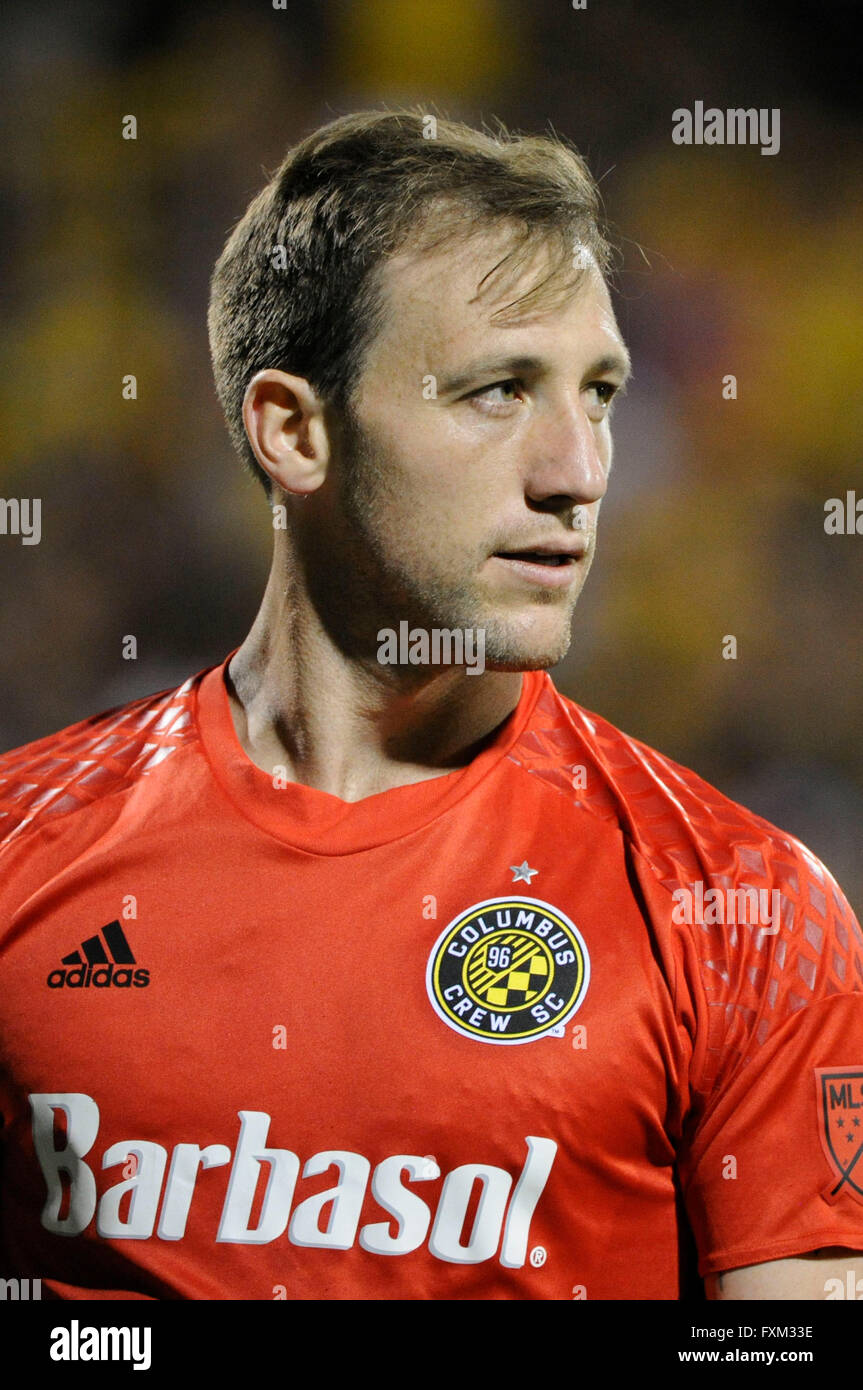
(522, 873)
(508, 970)
(840, 1114)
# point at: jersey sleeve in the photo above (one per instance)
(772, 1160)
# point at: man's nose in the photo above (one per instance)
(569, 456)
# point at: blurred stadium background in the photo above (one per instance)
(733, 262)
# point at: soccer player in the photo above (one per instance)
(365, 965)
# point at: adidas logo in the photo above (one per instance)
(106, 961)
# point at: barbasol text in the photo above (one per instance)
(502, 1221)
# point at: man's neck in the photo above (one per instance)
(350, 728)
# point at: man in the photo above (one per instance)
(364, 964)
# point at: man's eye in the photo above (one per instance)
(500, 393)
(600, 398)
(605, 393)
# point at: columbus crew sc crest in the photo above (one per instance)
(508, 970)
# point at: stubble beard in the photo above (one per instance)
(384, 590)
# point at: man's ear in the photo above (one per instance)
(284, 420)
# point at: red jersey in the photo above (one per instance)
(563, 1023)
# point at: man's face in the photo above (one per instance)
(473, 441)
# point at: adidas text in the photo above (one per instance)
(98, 977)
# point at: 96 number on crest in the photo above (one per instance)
(499, 957)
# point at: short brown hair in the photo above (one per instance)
(294, 287)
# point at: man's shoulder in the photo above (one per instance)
(88, 760)
(685, 826)
(760, 925)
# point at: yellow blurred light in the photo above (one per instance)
(394, 46)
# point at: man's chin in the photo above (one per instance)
(525, 655)
(525, 663)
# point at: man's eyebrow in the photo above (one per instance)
(490, 366)
(513, 366)
(615, 362)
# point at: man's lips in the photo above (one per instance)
(548, 552)
(536, 557)
(551, 565)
